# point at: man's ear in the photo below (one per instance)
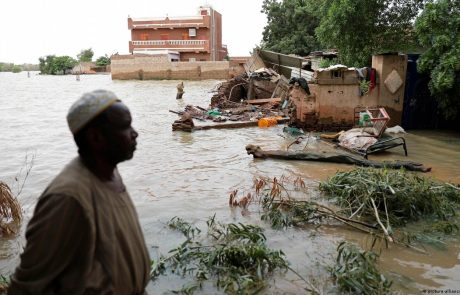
(95, 138)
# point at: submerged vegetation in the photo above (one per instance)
(379, 202)
(233, 256)
(236, 259)
(356, 271)
(385, 204)
(392, 206)
(394, 196)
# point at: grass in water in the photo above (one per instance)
(356, 272)
(399, 196)
(379, 202)
(383, 203)
(233, 256)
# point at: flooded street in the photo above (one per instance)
(190, 175)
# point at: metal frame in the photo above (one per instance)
(379, 146)
(382, 144)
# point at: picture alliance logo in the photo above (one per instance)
(445, 291)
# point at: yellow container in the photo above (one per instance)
(267, 122)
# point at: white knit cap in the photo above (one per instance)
(88, 107)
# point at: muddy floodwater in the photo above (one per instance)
(190, 175)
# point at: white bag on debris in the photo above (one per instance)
(395, 129)
(356, 139)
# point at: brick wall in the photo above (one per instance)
(128, 67)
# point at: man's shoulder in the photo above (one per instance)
(73, 181)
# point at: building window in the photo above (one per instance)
(336, 74)
(192, 32)
(144, 36)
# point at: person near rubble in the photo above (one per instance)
(180, 90)
(84, 236)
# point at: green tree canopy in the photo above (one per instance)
(290, 27)
(6, 67)
(438, 30)
(45, 63)
(10, 67)
(360, 28)
(16, 69)
(85, 55)
(55, 65)
(103, 61)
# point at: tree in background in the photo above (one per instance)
(45, 64)
(103, 61)
(16, 69)
(438, 30)
(85, 55)
(56, 65)
(9, 67)
(6, 67)
(62, 64)
(290, 27)
(360, 28)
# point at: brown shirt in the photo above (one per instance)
(84, 238)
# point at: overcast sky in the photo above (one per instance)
(33, 28)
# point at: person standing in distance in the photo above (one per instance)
(180, 90)
(84, 236)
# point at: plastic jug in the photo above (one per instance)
(267, 122)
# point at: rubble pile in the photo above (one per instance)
(232, 90)
(245, 98)
(184, 123)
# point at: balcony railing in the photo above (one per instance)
(169, 23)
(180, 45)
(170, 42)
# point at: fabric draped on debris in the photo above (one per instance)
(356, 139)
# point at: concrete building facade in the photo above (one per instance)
(196, 38)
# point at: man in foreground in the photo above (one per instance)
(84, 236)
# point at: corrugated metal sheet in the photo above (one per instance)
(297, 73)
(254, 63)
(281, 62)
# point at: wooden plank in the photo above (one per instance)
(229, 125)
(263, 100)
